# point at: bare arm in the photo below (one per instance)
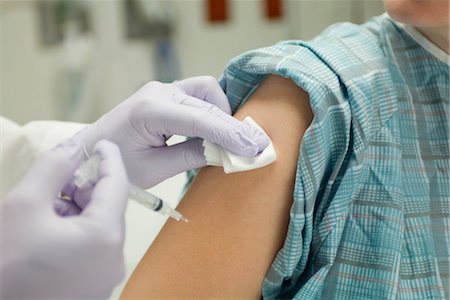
(238, 222)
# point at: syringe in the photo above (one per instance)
(88, 173)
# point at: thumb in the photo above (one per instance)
(206, 88)
(110, 194)
(51, 171)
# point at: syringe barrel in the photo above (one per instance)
(143, 197)
(154, 203)
(88, 173)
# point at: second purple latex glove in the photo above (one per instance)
(45, 256)
(195, 107)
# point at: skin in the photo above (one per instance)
(430, 17)
(237, 222)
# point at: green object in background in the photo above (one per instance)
(54, 14)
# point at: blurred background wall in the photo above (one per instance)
(95, 67)
(34, 76)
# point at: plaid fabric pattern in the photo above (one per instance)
(370, 217)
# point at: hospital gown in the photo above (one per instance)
(370, 217)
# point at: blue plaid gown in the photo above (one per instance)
(370, 217)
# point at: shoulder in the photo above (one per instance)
(345, 67)
(338, 55)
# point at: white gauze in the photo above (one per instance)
(217, 156)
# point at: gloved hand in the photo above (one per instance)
(46, 256)
(195, 107)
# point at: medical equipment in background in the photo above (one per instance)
(273, 9)
(67, 23)
(217, 11)
(87, 174)
(53, 15)
(155, 21)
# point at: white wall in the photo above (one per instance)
(29, 71)
(314, 16)
(31, 74)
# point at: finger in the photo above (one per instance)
(207, 89)
(81, 196)
(172, 160)
(66, 208)
(110, 194)
(214, 125)
(51, 171)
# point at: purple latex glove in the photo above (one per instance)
(46, 256)
(195, 107)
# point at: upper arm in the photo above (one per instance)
(237, 222)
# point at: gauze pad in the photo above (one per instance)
(217, 156)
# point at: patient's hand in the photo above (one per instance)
(237, 222)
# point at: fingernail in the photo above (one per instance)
(257, 136)
(262, 141)
(68, 144)
(64, 208)
(70, 149)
